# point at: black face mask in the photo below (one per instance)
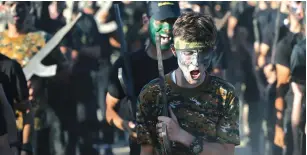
(20, 12)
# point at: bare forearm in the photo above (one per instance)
(296, 110)
(113, 117)
(264, 48)
(295, 118)
(232, 22)
(26, 133)
(215, 149)
(208, 148)
(147, 150)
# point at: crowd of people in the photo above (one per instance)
(234, 75)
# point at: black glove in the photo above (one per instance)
(128, 128)
(27, 147)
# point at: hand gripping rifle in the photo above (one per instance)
(166, 143)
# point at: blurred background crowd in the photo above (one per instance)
(261, 51)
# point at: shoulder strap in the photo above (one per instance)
(170, 78)
(131, 106)
(121, 79)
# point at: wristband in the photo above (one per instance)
(127, 127)
(27, 147)
(111, 122)
(196, 146)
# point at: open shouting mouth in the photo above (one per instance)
(195, 74)
(165, 39)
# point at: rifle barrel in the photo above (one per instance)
(277, 25)
(125, 55)
(161, 75)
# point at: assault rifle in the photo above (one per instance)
(166, 143)
(125, 74)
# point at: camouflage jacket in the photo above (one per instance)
(210, 111)
(22, 49)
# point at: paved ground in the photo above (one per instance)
(119, 149)
(122, 150)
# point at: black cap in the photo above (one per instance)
(162, 10)
(28, 3)
(201, 3)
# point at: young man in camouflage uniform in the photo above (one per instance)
(204, 109)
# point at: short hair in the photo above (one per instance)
(195, 27)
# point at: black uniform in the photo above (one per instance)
(298, 75)
(3, 129)
(240, 70)
(89, 78)
(283, 57)
(144, 69)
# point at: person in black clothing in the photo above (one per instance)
(262, 20)
(298, 85)
(15, 87)
(14, 83)
(59, 96)
(219, 10)
(45, 121)
(262, 17)
(284, 98)
(8, 129)
(264, 53)
(136, 33)
(89, 78)
(144, 67)
(241, 72)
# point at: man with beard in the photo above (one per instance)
(204, 110)
(144, 65)
(21, 42)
